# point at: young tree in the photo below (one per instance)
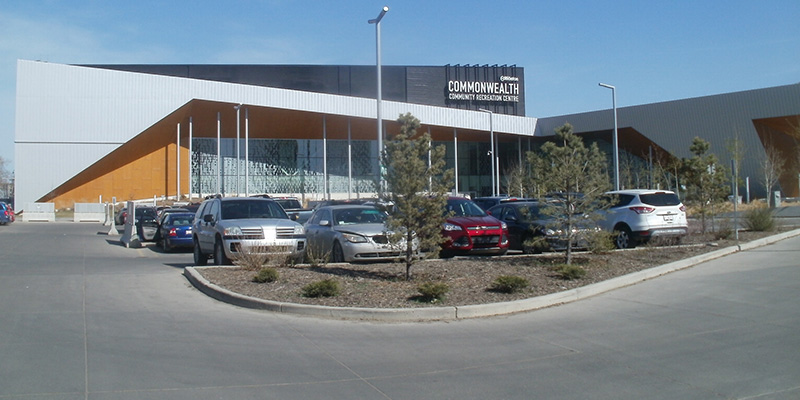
(536, 182)
(736, 150)
(418, 188)
(772, 166)
(705, 178)
(578, 173)
(515, 180)
(5, 180)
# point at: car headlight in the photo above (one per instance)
(549, 232)
(503, 225)
(451, 227)
(232, 231)
(354, 238)
(299, 230)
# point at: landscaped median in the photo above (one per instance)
(463, 311)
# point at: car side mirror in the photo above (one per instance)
(511, 218)
(325, 222)
(294, 217)
(208, 218)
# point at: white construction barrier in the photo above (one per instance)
(45, 212)
(89, 212)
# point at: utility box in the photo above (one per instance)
(776, 198)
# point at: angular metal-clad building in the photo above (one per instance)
(761, 119)
(86, 133)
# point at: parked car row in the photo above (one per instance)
(352, 231)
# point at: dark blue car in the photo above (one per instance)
(176, 231)
(6, 214)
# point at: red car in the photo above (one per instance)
(469, 230)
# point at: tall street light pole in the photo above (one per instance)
(616, 140)
(377, 22)
(238, 155)
(491, 139)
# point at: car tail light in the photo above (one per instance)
(682, 208)
(173, 232)
(642, 210)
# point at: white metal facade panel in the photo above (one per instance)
(68, 117)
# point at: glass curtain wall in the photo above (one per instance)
(282, 166)
(289, 166)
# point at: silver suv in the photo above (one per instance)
(637, 215)
(224, 227)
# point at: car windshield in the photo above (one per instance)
(464, 208)
(180, 219)
(350, 216)
(243, 209)
(660, 199)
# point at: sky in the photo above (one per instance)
(650, 51)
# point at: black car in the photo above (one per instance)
(488, 202)
(526, 221)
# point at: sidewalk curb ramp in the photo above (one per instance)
(469, 311)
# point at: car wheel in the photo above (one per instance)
(199, 257)
(219, 253)
(623, 239)
(337, 254)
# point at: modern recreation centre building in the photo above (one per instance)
(89, 133)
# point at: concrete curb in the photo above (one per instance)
(469, 311)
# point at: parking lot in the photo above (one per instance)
(84, 317)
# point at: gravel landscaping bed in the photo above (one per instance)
(382, 285)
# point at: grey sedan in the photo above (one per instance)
(348, 233)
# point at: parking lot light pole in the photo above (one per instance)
(377, 22)
(616, 140)
(238, 108)
(491, 139)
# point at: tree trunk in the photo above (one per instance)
(569, 238)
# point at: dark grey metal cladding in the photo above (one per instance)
(425, 85)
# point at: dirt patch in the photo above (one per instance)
(382, 285)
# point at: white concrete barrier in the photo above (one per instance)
(45, 212)
(129, 237)
(89, 212)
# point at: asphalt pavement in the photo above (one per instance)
(83, 317)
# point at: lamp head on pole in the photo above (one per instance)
(380, 16)
(605, 85)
